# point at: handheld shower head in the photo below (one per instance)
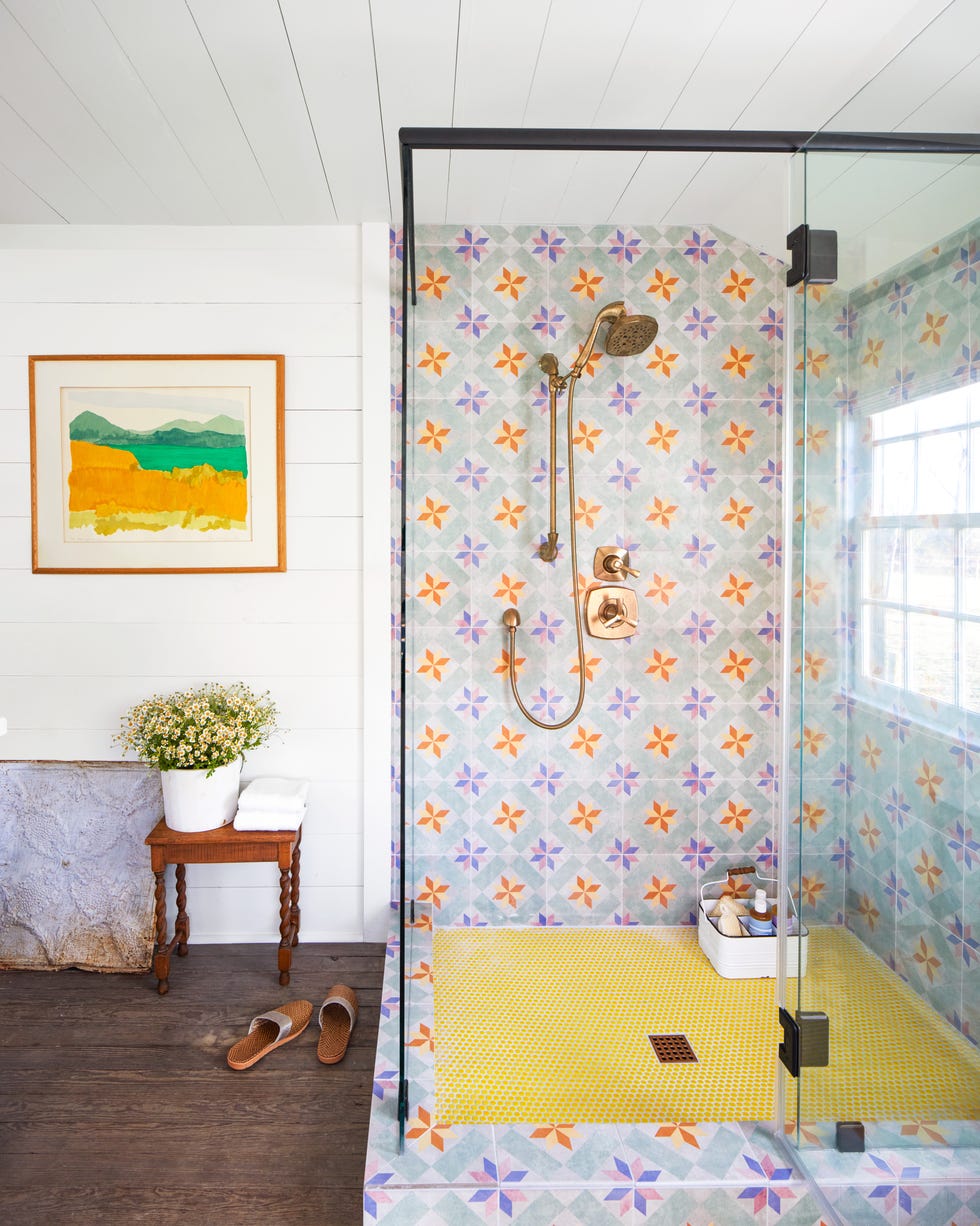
(628, 335)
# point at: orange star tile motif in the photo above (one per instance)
(660, 665)
(585, 817)
(431, 817)
(813, 666)
(660, 816)
(509, 514)
(739, 361)
(509, 588)
(738, 437)
(586, 283)
(433, 741)
(587, 435)
(812, 890)
(434, 359)
(592, 665)
(422, 1037)
(870, 753)
(736, 589)
(933, 333)
(812, 815)
(662, 437)
(661, 741)
(426, 1131)
(681, 1134)
(433, 512)
(663, 361)
(661, 588)
(660, 892)
(662, 285)
(929, 780)
(556, 1134)
(738, 513)
(509, 891)
(591, 367)
(872, 353)
(584, 892)
(510, 741)
(509, 359)
(432, 665)
(737, 665)
(814, 362)
(928, 870)
(737, 741)
(511, 437)
(585, 741)
(661, 512)
(502, 663)
(432, 282)
(735, 816)
(433, 435)
(433, 891)
(738, 284)
(509, 816)
(812, 741)
(866, 909)
(586, 512)
(510, 284)
(432, 588)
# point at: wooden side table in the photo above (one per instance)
(226, 845)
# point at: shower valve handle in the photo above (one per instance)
(616, 566)
(613, 562)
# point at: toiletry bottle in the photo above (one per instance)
(760, 917)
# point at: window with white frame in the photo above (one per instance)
(919, 548)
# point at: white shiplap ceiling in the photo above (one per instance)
(214, 112)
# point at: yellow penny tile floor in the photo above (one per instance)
(544, 1024)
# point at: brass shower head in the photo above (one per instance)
(628, 335)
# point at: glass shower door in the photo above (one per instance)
(883, 704)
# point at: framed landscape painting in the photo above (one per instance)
(151, 463)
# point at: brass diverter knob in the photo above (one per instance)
(611, 562)
(611, 612)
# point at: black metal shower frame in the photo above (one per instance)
(636, 140)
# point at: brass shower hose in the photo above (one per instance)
(512, 619)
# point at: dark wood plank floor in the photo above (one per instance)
(117, 1105)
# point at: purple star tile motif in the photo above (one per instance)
(967, 264)
(846, 322)
(700, 475)
(772, 552)
(625, 475)
(545, 703)
(769, 703)
(963, 941)
(623, 779)
(547, 778)
(699, 851)
(701, 324)
(698, 703)
(844, 778)
(701, 399)
(698, 249)
(472, 702)
(472, 399)
(545, 855)
(767, 779)
(471, 476)
(548, 245)
(470, 247)
(623, 854)
(547, 322)
(470, 628)
(623, 248)
(624, 399)
(769, 631)
(624, 703)
(470, 781)
(472, 323)
(771, 474)
(771, 400)
(700, 627)
(547, 628)
(697, 551)
(471, 552)
(771, 324)
(469, 856)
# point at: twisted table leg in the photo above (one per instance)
(161, 955)
(285, 945)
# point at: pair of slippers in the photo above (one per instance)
(338, 1013)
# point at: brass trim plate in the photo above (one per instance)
(611, 611)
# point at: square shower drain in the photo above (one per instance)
(673, 1049)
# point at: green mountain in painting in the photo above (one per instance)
(219, 442)
(220, 431)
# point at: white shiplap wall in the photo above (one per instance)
(77, 650)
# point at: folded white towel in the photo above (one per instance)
(255, 819)
(275, 795)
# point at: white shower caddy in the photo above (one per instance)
(749, 957)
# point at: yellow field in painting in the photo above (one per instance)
(553, 1024)
(110, 492)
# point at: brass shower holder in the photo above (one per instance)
(611, 611)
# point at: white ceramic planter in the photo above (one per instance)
(193, 802)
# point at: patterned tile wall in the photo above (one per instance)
(668, 774)
(911, 842)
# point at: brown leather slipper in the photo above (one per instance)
(269, 1031)
(338, 1013)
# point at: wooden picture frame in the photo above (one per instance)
(157, 463)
